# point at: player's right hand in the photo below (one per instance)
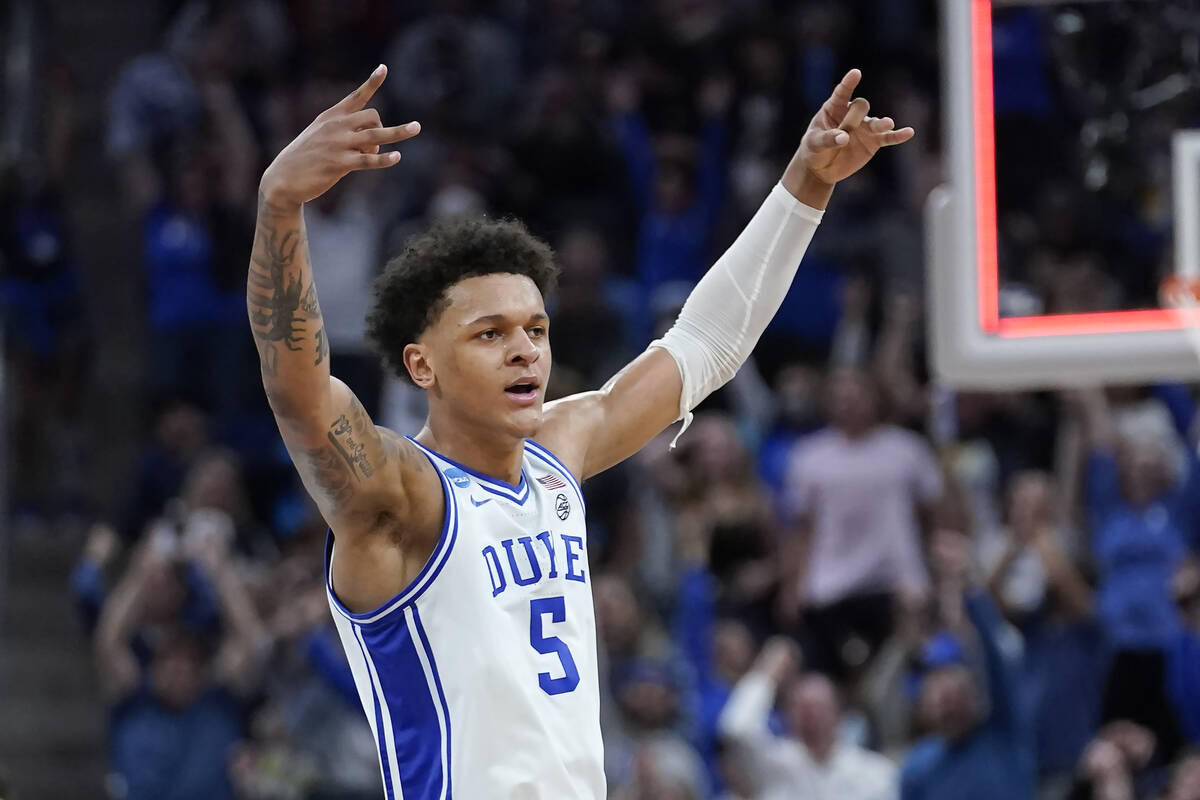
(340, 140)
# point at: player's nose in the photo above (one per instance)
(523, 349)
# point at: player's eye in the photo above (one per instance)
(537, 331)
(490, 334)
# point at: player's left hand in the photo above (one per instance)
(841, 138)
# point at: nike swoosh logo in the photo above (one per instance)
(478, 503)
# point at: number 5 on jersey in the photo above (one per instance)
(556, 607)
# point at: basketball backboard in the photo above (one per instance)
(974, 342)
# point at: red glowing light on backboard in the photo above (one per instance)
(986, 261)
(985, 166)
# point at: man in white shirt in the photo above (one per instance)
(858, 493)
(809, 761)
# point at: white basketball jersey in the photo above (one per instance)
(479, 679)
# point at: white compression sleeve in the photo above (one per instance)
(730, 307)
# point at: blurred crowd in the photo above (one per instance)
(848, 581)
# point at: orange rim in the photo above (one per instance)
(1177, 291)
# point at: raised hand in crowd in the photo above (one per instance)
(1109, 764)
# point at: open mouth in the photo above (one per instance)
(524, 390)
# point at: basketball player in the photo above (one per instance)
(457, 566)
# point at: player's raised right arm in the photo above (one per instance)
(334, 445)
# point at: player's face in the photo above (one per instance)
(489, 352)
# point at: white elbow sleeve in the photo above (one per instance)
(732, 304)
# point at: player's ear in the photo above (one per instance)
(420, 369)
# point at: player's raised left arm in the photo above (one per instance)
(732, 304)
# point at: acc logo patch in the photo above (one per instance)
(562, 507)
(457, 477)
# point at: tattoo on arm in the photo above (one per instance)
(269, 360)
(276, 293)
(322, 346)
(308, 303)
(348, 433)
(281, 305)
(345, 462)
(352, 452)
(355, 452)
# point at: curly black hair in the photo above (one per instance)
(410, 295)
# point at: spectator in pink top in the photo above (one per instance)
(859, 492)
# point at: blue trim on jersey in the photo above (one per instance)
(504, 494)
(380, 738)
(411, 702)
(518, 494)
(540, 451)
(441, 694)
(441, 553)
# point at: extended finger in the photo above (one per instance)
(363, 94)
(856, 114)
(396, 133)
(896, 137)
(374, 160)
(845, 89)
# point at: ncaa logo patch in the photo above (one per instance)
(562, 507)
(457, 477)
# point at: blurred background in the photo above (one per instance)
(848, 581)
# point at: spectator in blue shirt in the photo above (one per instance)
(174, 722)
(971, 752)
(194, 241)
(1045, 596)
(678, 191)
(719, 652)
(1141, 518)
